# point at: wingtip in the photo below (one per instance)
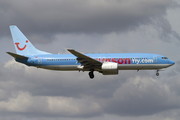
(70, 49)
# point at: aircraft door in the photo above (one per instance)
(39, 61)
(36, 60)
(155, 59)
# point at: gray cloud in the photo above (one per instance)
(89, 26)
(36, 92)
(143, 96)
(90, 16)
(165, 30)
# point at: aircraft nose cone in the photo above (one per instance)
(171, 62)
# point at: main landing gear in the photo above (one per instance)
(157, 73)
(91, 74)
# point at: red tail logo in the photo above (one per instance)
(17, 44)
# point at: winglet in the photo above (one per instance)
(77, 54)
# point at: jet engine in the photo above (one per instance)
(109, 68)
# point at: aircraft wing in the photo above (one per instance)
(86, 61)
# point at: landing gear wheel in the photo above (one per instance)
(157, 74)
(91, 74)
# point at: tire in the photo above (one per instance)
(91, 74)
(157, 74)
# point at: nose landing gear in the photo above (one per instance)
(157, 73)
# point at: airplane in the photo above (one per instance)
(105, 63)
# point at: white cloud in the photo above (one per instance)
(18, 104)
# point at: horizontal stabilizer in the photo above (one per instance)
(17, 56)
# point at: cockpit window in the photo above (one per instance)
(164, 57)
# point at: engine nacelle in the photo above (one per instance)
(109, 68)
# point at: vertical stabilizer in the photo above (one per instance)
(22, 45)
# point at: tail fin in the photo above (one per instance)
(22, 45)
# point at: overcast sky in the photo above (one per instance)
(91, 26)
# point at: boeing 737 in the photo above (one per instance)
(107, 64)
